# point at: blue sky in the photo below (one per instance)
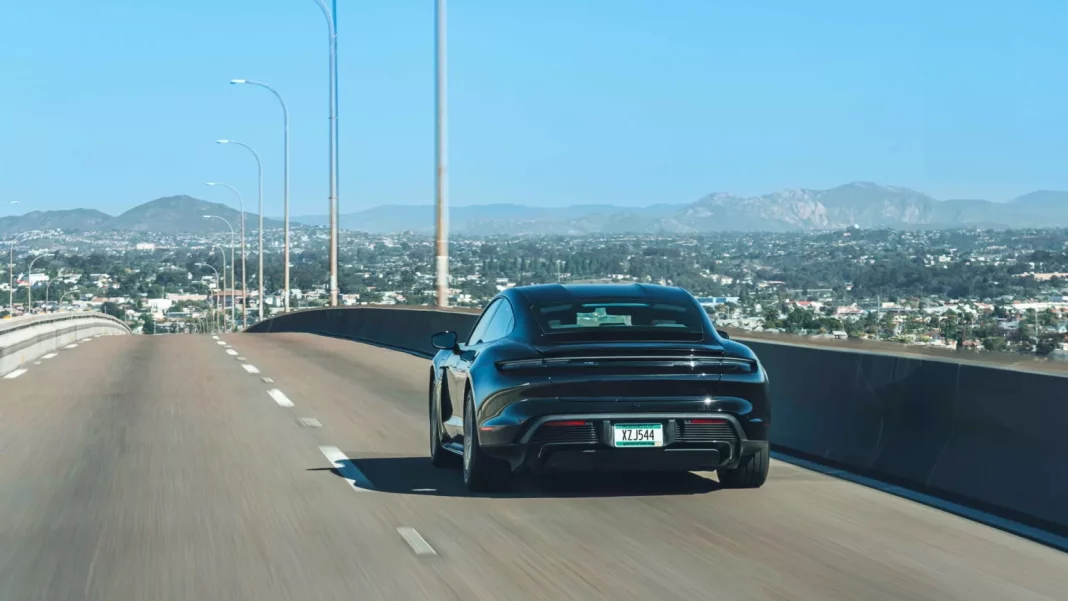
(110, 103)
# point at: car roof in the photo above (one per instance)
(541, 294)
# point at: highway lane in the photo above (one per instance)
(159, 468)
(148, 468)
(803, 536)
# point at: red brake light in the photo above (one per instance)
(569, 422)
(705, 422)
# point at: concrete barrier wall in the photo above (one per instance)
(27, 339)
(989, 437)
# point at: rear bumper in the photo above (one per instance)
(533, 446)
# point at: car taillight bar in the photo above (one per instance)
(706, 422)
(520, 364)
(731, 364)
(568, 422)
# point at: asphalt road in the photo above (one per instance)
(148, 468)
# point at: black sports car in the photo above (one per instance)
(597, 377)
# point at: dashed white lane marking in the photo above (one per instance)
(280, 397)
(251, 368)
(268, 380)
(309, 422)
(347, 469)
(416, 541)
(50, 355)
(15, 374)
(75, 345)
(36, 362)
(214, 337)
(231, 351)
(242, 359)
(220, 342)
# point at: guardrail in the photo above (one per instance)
(987, 436)
(27, 338)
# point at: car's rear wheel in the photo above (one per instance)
(752, 472)
(482, 473)
(439, 457)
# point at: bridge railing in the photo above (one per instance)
(992, 437)
(28, 338)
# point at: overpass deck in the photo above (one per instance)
(149, 467)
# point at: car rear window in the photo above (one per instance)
(620, 319)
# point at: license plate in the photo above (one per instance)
(639, 435)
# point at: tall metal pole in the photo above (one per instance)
(244, 276)
(285, 182)
(11, 273)
(211, 320)
(331, 23)
(259, 175)
(233, 282)
(441, 179)
(222, 310)
(49, 285)
(260, 172)
(29, 284)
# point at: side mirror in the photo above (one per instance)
(445, 341)
(723, 334)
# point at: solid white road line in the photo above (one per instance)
(347, 469)
(75, 345)
(231, 351)
(50, 355)
(15, 374)
(416, 541)
(251, 368)
(280, 397)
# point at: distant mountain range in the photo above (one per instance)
(861, 204)
(169, 215)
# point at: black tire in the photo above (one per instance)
(482, 473)
(752, 472)
(439, 457)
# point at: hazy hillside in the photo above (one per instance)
(171, 214)
(863, 204)
(71, 219)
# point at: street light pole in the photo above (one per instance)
(285, 182)
(259, 173)
(222, 309)
(441, 178)
(212, 267)
(11, 273)
(29, 284)
(244, 273)
(233, 282)
(49, 285)
(331, 24)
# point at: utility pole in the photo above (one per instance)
(441, 178)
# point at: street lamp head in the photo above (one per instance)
(211, 183)
(238, 81)
(222, 141)
(208, 216)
